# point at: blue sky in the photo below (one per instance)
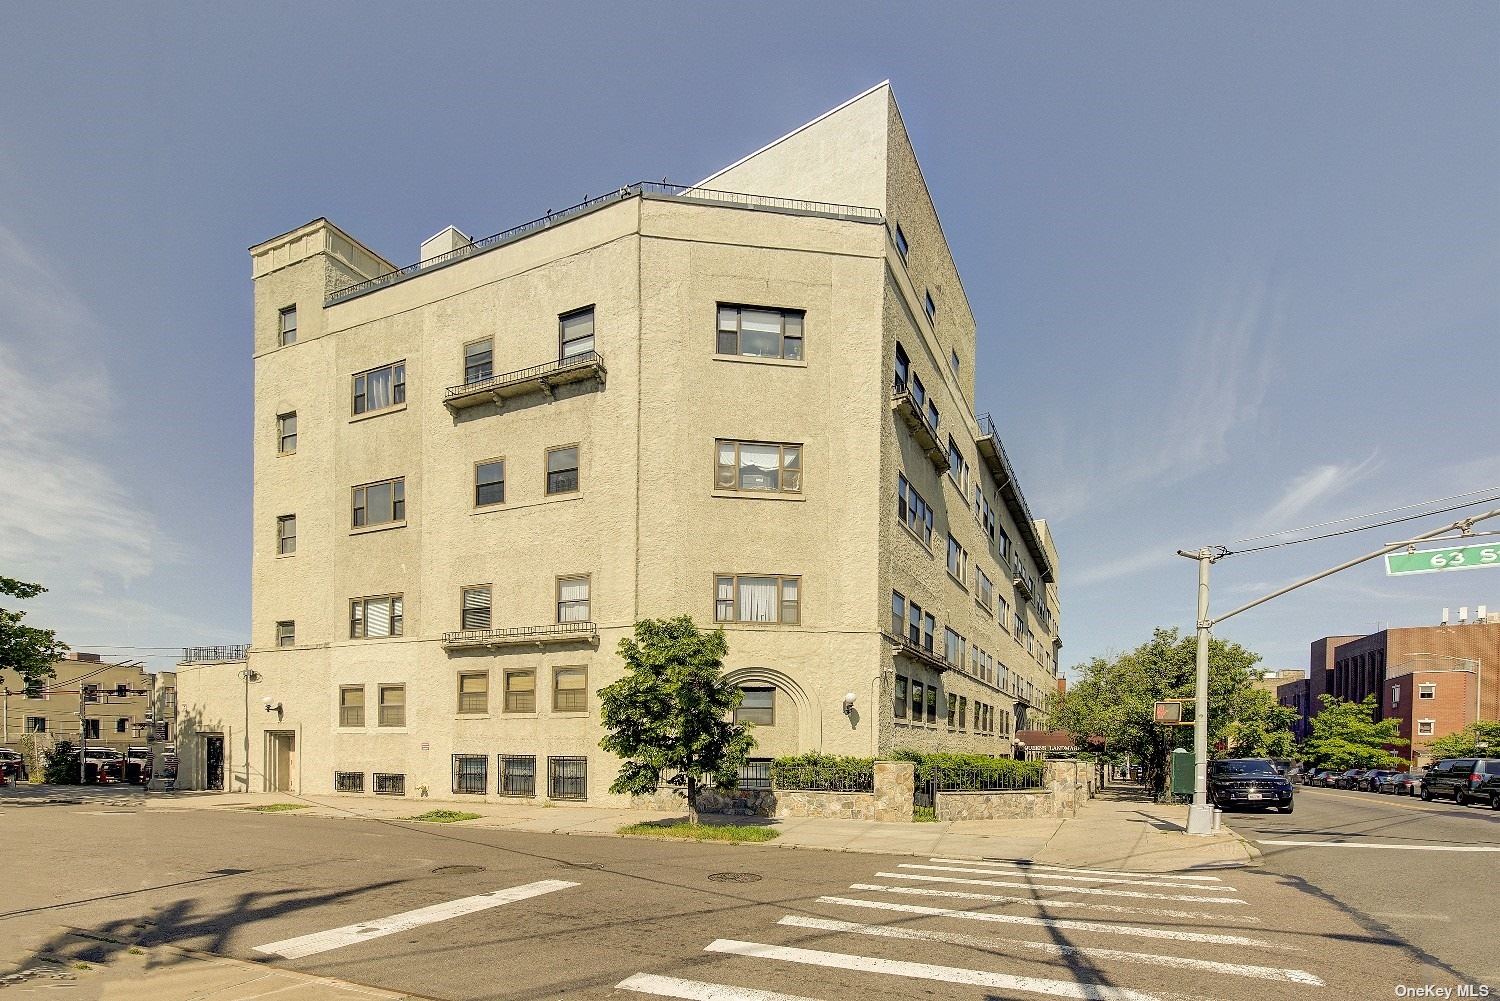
(1234, 266)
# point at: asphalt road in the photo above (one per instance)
(375, 903)
(1428, 874)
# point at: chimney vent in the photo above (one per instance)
(441, 243)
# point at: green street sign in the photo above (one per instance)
(1434, 560)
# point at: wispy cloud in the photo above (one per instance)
(1308, 490)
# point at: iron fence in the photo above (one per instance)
(815, 778)
(755, 774)
(987, 780)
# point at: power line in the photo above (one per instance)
(1361, 528)
(1377, 514)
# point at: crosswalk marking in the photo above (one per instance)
(1081, 872)
(926, 971)
(1090, 953)
(1409, 848)
(697, 990)
(1068, 923)
(1087, 890)
(922, 891)
(1071, 879)
(364, 931)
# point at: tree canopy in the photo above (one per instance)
(1346, 735)
(1465, 743)
(25, 651)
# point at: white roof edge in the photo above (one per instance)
(806, 125)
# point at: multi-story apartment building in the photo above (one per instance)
(750, 400)
(113, 699)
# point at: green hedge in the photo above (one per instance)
(973, 771)
(824, 773)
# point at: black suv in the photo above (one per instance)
(1459, 778)
(1248, 782)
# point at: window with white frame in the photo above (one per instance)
(1395, 696)
(380, 388)
(286, 535)
(1425, 727)
(479, 360)
(758, 467)
(758, 599)
(474, 607)
(286, 433)
(376, 617)
(573, 598)
(1427, 690)
(760, 333)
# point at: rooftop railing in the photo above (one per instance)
(213, 654)
(1011, 487)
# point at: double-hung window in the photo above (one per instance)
(757, 705)
(898, 701)
(575, 333)
(489, 482)
(520, 691)
(286, 433)
(903, 369)
(958, 468)
(953, 647)
(758, 467)
(473, 693)
(392, 705)
(1427, 690)
(760, 333)
(479, 360)
(912, 510)
(958, 562)
(380, 388)
(914, 623)
(898, 614)
(917, 701)
(570, 690)
(474, 607)
(573, 599)
(287, 325)
(985, 587)
(758, 599)
(286, 633)
(351, 706)
(286, 535)
(380, 503)
(562, 470)
(375, 618)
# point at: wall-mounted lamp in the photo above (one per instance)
(273, 708)
(848, 703)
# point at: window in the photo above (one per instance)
(375, 618)
(984, 587)
(1003, 608)
(758, 599)
(91, 729)
(567, 778)
(380, 388)
(348, 781)
(471, 774)
(474, 607)
(963, 712)
(570, 690)
(1395, 696)
(573, 599)
(351, 706)
(758, 706)
(953, 361)
(916, 701)
(286, 535)
(516, 774)
(1005, 555)
(903, 369)
(389, 783)
(958, 562)
(575, 333)
(286, 433)
(928, 306)
(36, 724)
(913, 511)
(953, 647)
(760, 333)
(756, 467)
(392, 705)
(929, 627)
(489, 482)
(987, 516)
(914, 623)
(898, 704)
(562, 470)
(479, 361)
(286, 633)
(952, 711)
(287, 325)
(381, 503)
(120, 725)
(520, 691)
(1427, 690)
(902, 247)
(898, 614)
(1424, 727)
(91, 693)
(474, 693)
(958, 469)
(931, 704)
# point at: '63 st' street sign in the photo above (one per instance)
(1433, 560)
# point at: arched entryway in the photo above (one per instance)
(796, 725)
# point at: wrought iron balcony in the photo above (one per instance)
(915, 651)
(554, 633)
(992, 450)
(538, 378)
(213, 654)
(905, 404)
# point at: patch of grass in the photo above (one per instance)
(136, 951)
(924, 815)
(702, 832)
(444, 816)
(82, 966)
(277, 807)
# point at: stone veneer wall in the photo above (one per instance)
(891, 799)
(1069, 784)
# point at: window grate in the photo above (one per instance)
(516, 774)
(348, 781)
(471, 774)
(567, 778)
(390, 784)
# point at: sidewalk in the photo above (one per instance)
(1117, 829)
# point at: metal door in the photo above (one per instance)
(214, 761)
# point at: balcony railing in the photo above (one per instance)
(905, 404)
(545, 377)
(906, 648)
(213, 654)
(993, 452)
(646, 189)
(561, 632)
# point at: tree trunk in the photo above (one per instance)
(692, 799)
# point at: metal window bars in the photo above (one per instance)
(348, 781)
(567, 778)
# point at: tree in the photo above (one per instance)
(25, 651)
(670, 713)
(1465, 743)
(1259, 726)
(61, 766)
(1346, 735)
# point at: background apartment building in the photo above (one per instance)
(114, 700)
(751, 401)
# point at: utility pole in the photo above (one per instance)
(83, 736)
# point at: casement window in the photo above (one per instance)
(917, 701)
(471, 774)
(953, 361)
(953, 647)
(570, 689)
(562, 470)
(380, 388)
(392, 705)
(898, 614)
(473, 693)
(573, 599)
(985, 588)
(120, 725)
(474, 607)
(1427, 690)
(348, 781)
(758, 599)
(489, 482)
(913, 511)
(1425, 727)
(380, 503)
(902, 247)
(903, 369)
(286, 433)
(515, 774)
(36, 724)
(575, 333)
(286, 633)
(928, 305)
(760, 333)
(758, 706)
(757, 467)
(958, 562)
(479, 360)
(286, 535)
(898, 701)
(567, 778)
(287, 325)
(376, 617)
(520, 691)
(351, 706)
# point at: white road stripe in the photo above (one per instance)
(1081, 872)
(922, 891)
(1071, 879)
(1016, 919)
(1408, 848)
(1090, 890)
(1051, 949)
(697, 990)
(926, 971)
(337, 938)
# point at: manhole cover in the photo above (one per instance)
(734, 877)
(457, 870)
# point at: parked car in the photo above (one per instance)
(1458, 778)
(12, 766)
(1370, 781)
(1488, 791)
(1322, 778)
(104, 764)
(1248, 782)
(1350, 778)
(1389, 781)
(1408, 783)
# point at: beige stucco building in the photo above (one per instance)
(113, 699)
(751, 401)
